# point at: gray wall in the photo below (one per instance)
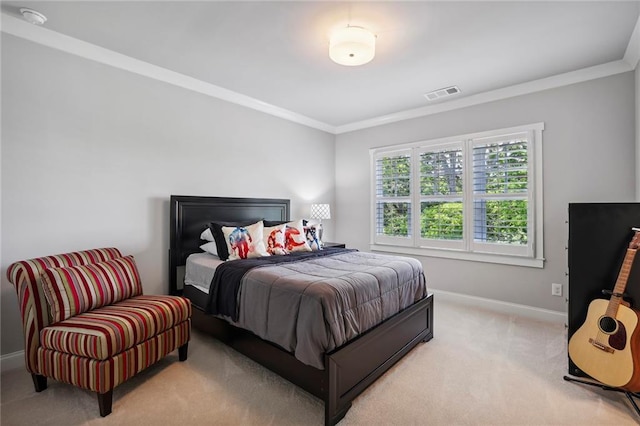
(91, 154)
(589, 155)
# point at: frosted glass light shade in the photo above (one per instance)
(352, 46)
(33, 16)
(320, 211)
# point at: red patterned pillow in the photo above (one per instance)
(295, 239)
(76, 289)
(275, 241)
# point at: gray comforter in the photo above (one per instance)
(314, 306)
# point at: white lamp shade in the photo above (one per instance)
(320, 211)
(352, 46)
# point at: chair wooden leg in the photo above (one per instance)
(40, 382)
(104, 401)
(182, 352)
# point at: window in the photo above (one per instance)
(393, 197)
(476, 197)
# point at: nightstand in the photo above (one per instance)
(327, 244)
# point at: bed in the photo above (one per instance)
(345, 370)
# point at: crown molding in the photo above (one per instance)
(55, 40)
(19, 28)
(585, 74)
(632, 54)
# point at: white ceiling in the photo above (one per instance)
(277, 52)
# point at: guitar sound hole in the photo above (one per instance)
(608, 324)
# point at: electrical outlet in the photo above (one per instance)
(556, 289)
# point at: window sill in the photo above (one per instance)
(459, 255)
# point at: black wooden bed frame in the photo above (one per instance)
(349, 369)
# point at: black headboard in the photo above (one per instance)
(191, 215)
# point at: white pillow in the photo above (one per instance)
(210, 248)
(206, 235)
(245, 241)
(312, 233)
(295, 237)
(274, 239)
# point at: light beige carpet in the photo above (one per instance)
(481, 368)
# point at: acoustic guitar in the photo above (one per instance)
(607, 345)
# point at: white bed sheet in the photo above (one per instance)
(200, 269)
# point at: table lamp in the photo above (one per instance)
(320, 211)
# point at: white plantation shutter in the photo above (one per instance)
(479, 195)
(393, 183)
(501, 194)
(441, 196)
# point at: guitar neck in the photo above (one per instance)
(621, 282)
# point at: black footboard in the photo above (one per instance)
(353, 367)
(349, 370)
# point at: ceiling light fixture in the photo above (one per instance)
(352, 46)
(33, 16)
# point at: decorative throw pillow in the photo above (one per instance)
(218, 236)
(312, 233)
(295, 239)
(210, 248)
(76, 289)
(245, 241)
(275, 240)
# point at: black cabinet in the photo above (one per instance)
(599, 235)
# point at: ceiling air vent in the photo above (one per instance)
(442, 93)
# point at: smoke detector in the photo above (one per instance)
(442, 93)
(33, 16)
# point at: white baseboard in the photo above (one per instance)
(12, 361)
(502, 307)
(15, 360)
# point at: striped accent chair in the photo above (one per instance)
(87, 323)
